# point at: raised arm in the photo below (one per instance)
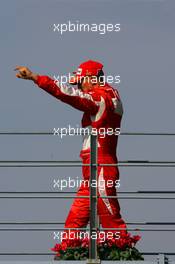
(76, 98)
(68, 94)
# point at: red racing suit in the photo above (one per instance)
(102, 108)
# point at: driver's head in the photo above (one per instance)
(87, 75)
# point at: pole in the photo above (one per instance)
(93, 256)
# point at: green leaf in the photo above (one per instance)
(76, 255)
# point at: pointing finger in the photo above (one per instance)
(17, 68)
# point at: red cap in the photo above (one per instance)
(90, 68)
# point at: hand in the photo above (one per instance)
(25, 73)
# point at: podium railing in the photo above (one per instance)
(159, 195)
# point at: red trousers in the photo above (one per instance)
(108, 209)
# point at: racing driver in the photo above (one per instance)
(102, 108)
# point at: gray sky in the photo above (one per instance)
(142, 53)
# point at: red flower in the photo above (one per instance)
(126, 240)
(136, 238)
(85, 242)
(63, 245)
(109, 242)
(58, 254)
(56, 248)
